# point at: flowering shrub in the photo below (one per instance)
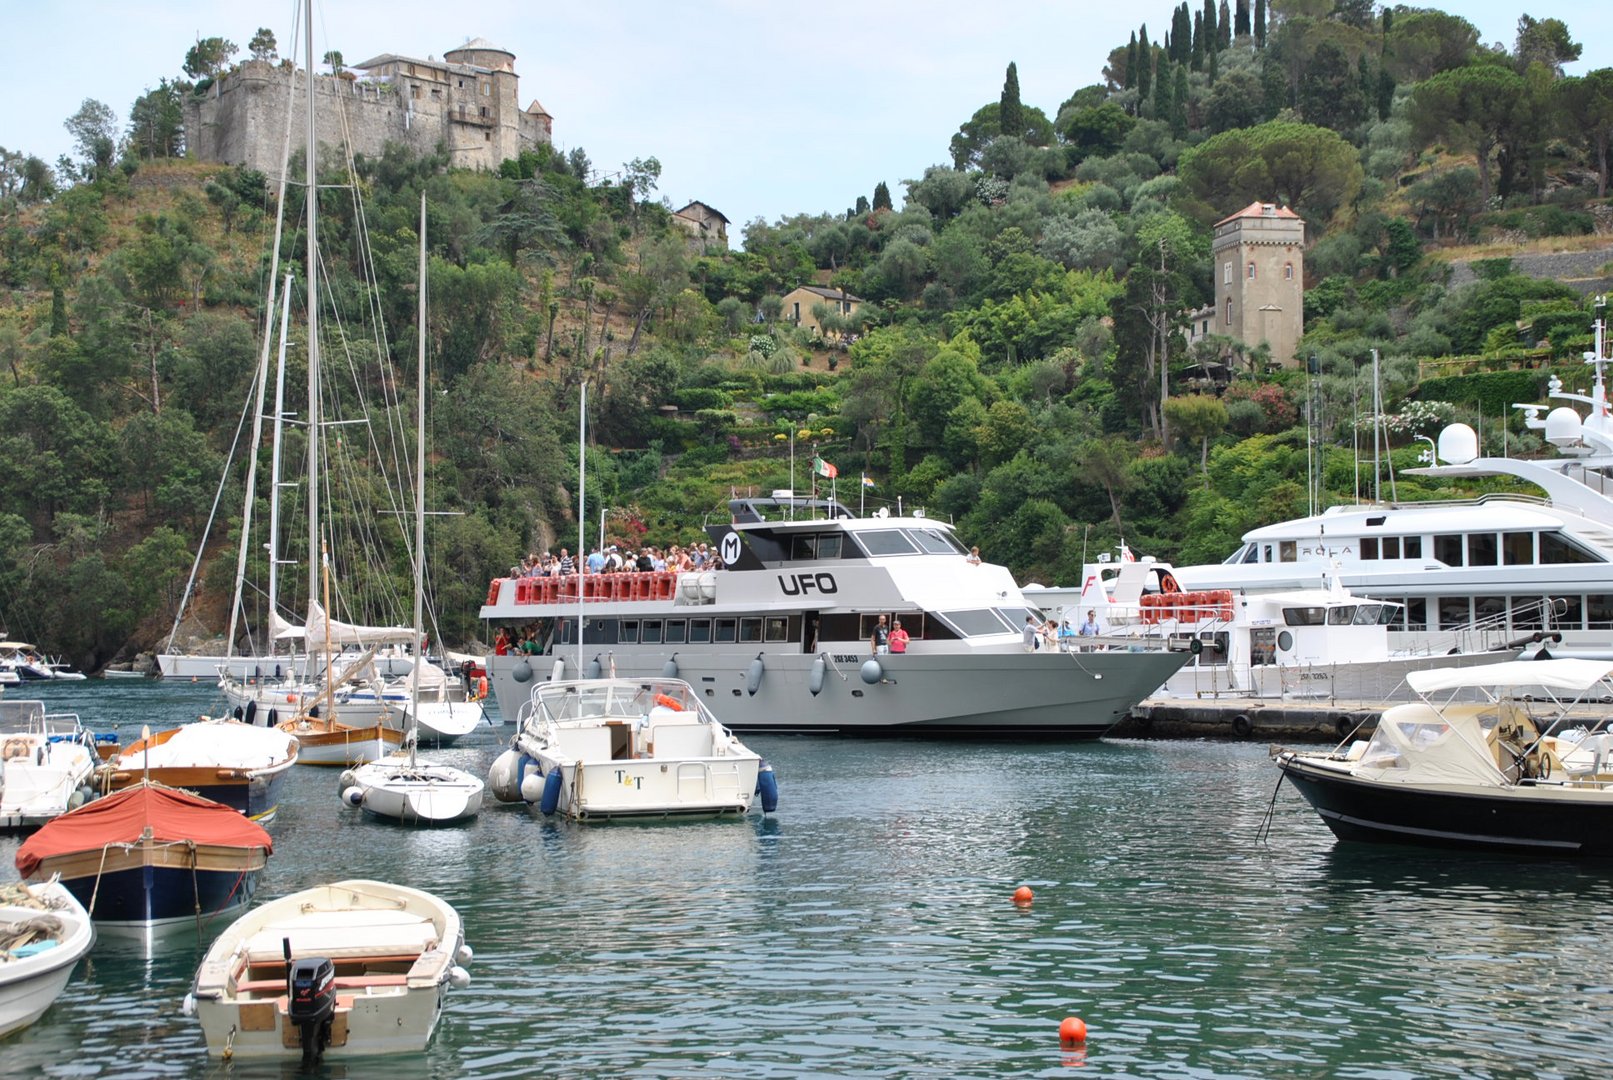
(1414, 418)
(1276, 411)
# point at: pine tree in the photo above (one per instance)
(1011, 116)
(1131, 63)
(1240, 26)
(882, 197)
(1260, 24)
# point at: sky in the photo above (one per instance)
(756, 109)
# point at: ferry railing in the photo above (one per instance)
(1517, 627)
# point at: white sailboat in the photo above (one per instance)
(401, 786)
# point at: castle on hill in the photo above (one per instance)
(467, 101)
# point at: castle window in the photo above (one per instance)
(461, 84)
(487, 136)
(414, 91)
(1229, 311)
(1251, 270)
(1226, 275)
(1288, 271)
(487, 89)
(484, 111)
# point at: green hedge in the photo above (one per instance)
(1493, 393)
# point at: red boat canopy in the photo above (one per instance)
(122, 818)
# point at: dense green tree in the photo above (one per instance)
(1330, 93)
(1586, 105)
(1240, 25)
(263, 45)
(94, 131)
(1237, 100)
(1010, 112)
(53, 455)
(1421, 43)
(1099, 131)
(1310, 168)
(1145, 65)
(157, 122)
(1179, 103)
(209, 57)
(1544, 41)
(1109, 463)
(882, 197)
(1201, 417)
(1471, 108)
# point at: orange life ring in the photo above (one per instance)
(1167, 582)
(481, 687)
(669, 702)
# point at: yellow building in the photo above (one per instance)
(798, 305)
(1259, 259)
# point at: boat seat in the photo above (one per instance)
(585, 743)
(681, 740)
(345, 935)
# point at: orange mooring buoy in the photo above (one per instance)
(1023, 896)
(1072, 1030)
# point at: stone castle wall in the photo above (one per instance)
(241, 118)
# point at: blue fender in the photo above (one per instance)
(767, 788)
(551, 792)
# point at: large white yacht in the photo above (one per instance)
(1488, 562)
(779, 639)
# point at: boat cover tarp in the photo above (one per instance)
(214, 744)
(1418, 744)
(122, 817)
(1565, 674)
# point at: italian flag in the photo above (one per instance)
(824, 469)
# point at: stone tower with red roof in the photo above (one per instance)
(1259, 257)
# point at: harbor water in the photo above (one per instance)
(866, 929)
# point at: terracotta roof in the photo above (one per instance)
(481, 44)
(1259, 209)
(537, 109)
(712, 209)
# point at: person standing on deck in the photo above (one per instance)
(879, 640)
(899, 638)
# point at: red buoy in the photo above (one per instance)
(1073, 1030)
(1023, 896)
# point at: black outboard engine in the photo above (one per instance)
(312, 1003)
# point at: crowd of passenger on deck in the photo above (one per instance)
(610, 559)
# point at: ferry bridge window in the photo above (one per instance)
(1570, 614)
(777, 628)
(750, 630)
(676, 632)
(699, 631)
(1481, 549)
(1304, 616)
(1454, 612)
(629, 631)
(1369, 547)
(977, 622)
(1250, 554)
(1015, 616)
(815, 546)
(1417, 613)
(1287, 551)
(1557, 548)
(885, 542)
(1341, 616)
(1448, 550)
(726, 630)
(1599, 612)
(1367, 615)
(1391, 547)
(1266, 556)
(1518, 548)
(1390, 615)
(937, 542)
(1413, 546)
(650, 632)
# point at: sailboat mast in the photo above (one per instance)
(274, 471)
(249, 503)
(314, 418)
(419, 493)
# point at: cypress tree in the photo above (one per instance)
(1163, 88)
(1215, 65)
(1131, 63)
(1011, 117)
(882, 197)
(1145, 66)
(1198, 41)
(1224, 26)
(1178, 115)
(1260, 24)
(58, 311)
(1212, 32)
(1182, 34)
(1240, 25)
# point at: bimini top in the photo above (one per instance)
(1566, 674)
(173, 816)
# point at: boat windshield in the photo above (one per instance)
(885, 542)
(1304, 616)
(976, 622)
(937, 542)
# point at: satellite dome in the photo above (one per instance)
(1563, 426)
(1458, 444)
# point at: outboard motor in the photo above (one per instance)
(311, 1002)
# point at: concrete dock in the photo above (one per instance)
(1249, 718)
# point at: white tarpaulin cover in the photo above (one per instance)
(342, 634)
(1574, 675)
(1417, 744)
(217, 744)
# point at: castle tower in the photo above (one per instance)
(1259, 259)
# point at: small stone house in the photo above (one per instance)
(799, 302)
(707, 227)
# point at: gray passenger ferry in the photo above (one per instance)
(778, 640)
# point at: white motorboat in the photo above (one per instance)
(22, 662)
(1516, 566)
(1520, 771)
(47, 764)
(401, 787)
(596, 749)
(43, 933)
(355, 967)
(1295, 644)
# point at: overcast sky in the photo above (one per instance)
(760, 110)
